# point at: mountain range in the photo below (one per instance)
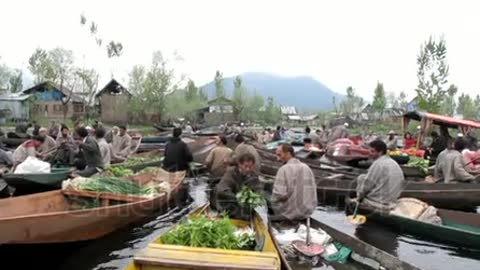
(303, 92)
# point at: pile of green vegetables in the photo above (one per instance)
(420, 163)
(131, 161)
(118, 171)
(114, 185)
(248, 198)
(202, 231)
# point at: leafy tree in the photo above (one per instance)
(191, 92)
(402, 100)
(113, 48)
(392, 100)
(5, 75)
(351, 103)
(449, 103)
(219, 88)
(238, 97)
(272, 113)
(15, 81)
(89, 83)
(202, 94)
(432, 75)
(136, 79)
(41, 66)
(253, 106)
(55, 65)
(467, 107)
(379, 99)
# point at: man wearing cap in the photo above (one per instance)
(217, 159)
(391, 141)
(49, 145)
(121, 145)
(339, 132)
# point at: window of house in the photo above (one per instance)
(57, 108)
(78, 108)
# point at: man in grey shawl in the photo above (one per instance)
(121, 145)
(384, 181)
(453, 168)
(339, 132)
(294, 195)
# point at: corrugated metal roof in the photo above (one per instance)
(288, 110)
(14, 97)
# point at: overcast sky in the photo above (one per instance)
(339, 43)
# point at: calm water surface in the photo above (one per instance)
(116, 250)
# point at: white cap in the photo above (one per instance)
(459, 135)
(88, 128)
(419, 127)
(346, 124)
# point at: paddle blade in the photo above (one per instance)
(357, 219)
(311, 250)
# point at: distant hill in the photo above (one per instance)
(303, 92)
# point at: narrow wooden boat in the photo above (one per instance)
(12, 142)
(156, 139)
(51, 217)
(386, 260)
(457, 228)
(162, 257)
(33, 183)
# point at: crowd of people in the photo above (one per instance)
(89, 148)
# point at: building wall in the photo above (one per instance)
(18, 109)
(218, 118)
(114, 108)
(55, 109)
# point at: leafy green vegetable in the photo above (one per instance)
(249, 198)
(420, 163)
(114, 185)
(202, 231)
(118, 171)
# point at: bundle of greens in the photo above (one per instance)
(249, 198)
(202, 231)
(420, 163)
(118, 171)
(114, 185)
(131, 161)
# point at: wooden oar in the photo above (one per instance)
(307, 248)
(356, 219)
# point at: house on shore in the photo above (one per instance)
(14, 107)
(113, 102)
(218, 111)
(53, 102)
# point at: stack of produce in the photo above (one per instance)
(420, 163)
(110, 185)
(203, 231)
(131, 161)
(249, 198)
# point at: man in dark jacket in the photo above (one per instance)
(439, 143)
(243, 174)
(90, 152)
(177, 153)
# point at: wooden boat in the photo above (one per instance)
(386, 260)
(163, 128)
(156, 139)
(12, 142)
(458, 228)
(33, 183)
(162, 257)
(48, 217)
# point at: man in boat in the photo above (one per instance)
(384, 181)
(277, 135)
(294, 195)
(6, 158)
(27, 149)
(453, 168)
(391, 141)
(441, 159)
(217, 159)
(112, 133)
(66, 148)
(90, 152)
(54, 129)
(48, 147)
(105, 150)
(188, 128)
(243, 148)
(177, 154)
(243, 174)
(439, 143)
(339, 132)
(121, 145)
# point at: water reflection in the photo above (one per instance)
(378, 236)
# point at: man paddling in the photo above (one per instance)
(177, 154)
(294, 195)
(384, 181)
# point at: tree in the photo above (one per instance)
(191, 92)
(136, 79)
(5, 75)
(253, 106)
(272, 113)
(466, 107)
(55, 65)
(89, 84)
(392, 100)
(351, 103)
(202, 94)
(448, 106)
(238, 97)
(402, 100)
(379, 100)
(432, 75)
(219, 89)
(113, 48)
(16, 81)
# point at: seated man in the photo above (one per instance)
(177, 154)
(384, 181)
(90, 153)
(27, 149)
(104, 147)
(294, 195)
(453, 168)
(440, 163)
(121, 145)
(48, 147)
(217, 159)
(243, 148)
(66, 148)
(240, 175)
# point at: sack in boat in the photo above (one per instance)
(430, 216)
(32, 165)
(409, 208)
